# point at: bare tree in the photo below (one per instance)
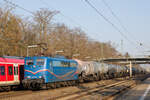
(43, 19)
(10, 32)
(17, 33)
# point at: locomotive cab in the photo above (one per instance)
(34, 74)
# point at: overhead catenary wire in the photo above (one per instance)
(140, 44)
(19, 7)
(32, 13)
(108, 21)
(115, 16)
(68, 18)
(71, 19)
(120, 22)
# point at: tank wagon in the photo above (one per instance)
(49, 72)
(89, 71)
(11, 72)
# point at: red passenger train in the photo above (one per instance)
(11, 72)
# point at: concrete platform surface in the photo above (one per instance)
(140, 92)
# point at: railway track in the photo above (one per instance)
(77, 95)
(85, 90)
(12, 94)
(106, 92)
(4, 95)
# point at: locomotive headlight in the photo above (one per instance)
(40, 76)
(28, 76)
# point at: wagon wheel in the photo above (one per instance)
(53, 85)
(58, 85)
(81, 77)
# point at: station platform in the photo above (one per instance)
(140, 92)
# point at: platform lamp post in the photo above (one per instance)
(30, 46)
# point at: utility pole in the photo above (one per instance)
(102, 50)
(122, 46)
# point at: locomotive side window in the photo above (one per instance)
(10, 70)
(61, 64)
(2, 70)
(65, 64)
(57, 64)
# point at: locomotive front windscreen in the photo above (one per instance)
(40, 62)
(29, 62)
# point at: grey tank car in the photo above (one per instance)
(90, 70)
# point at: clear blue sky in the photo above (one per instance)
(134, 15)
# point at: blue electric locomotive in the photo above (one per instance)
(49, 72)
